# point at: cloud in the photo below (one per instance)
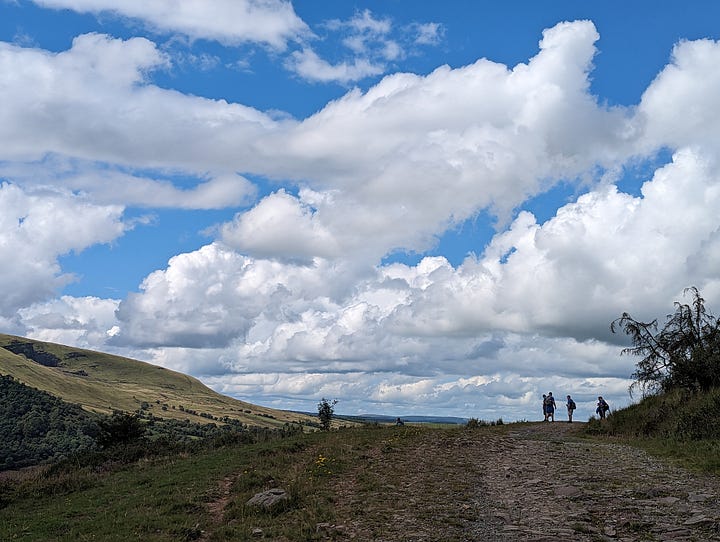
(38, 227)
(369, 36)
(291, 299)
(208, 297)
(372, 45)
(80, 321)
(427, 33)
(218, 192)
(230, 22)
(302, 236)
(422, 154)
(370, 40)
(410, 157)
(87, 119)
(107, 185)
(455, 331)
(681, 106)
(308, 65)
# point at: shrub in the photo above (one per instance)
(326, 410)
(684, 354)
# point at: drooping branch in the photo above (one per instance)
(684, 353)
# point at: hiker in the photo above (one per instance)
(399, 422)
(545, 407)
(602, 407)
(570, 408)
(550, 407)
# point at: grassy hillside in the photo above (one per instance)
(679, 424)
(678, 415)
(103, 383)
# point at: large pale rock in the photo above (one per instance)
(269, 498)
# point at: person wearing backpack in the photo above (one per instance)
(571, 406)
(550, 407)
(602, 408)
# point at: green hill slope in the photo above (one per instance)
(103, 383)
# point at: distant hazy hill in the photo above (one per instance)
(382, 418)
(103, 383)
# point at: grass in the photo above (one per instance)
(700, 456)
(173, 498)
(681, 426)
(203, 495)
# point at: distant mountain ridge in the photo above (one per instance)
(104, 383)
(383, 418)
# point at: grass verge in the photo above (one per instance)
(678, 425)
(192, 496)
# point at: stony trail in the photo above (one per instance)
(535, 482)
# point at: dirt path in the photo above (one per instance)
(537, 482)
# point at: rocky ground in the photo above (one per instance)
(535, 482)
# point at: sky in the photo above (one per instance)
(415, 208)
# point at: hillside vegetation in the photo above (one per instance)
(678, 424)
(36, 427)
(679, 376)
(105, 383)
(678, 415)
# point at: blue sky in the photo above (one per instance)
(414, 208)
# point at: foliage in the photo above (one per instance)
(36, 427)
(684, 354)
(326, 410)
(120, 428)
(474, 423)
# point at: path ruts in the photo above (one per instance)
(535, 482)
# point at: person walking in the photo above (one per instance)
(545, 407)
(550, 406)
(571, 406)
(602, 407)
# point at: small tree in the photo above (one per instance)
(121, 428)
(684, 354)
(326, 410)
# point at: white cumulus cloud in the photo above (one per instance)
(231, 22)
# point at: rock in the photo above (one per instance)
(268, 499)
(567, 491)
(675, 534)
(257, 533)
(502, 516)
(698, 520)
(655, 492)
(329, 530)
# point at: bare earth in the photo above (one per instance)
(535, 482)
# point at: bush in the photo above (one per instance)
(326, 411)
(684, 354)
(121, 428)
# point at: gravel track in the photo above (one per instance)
(534, 482)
